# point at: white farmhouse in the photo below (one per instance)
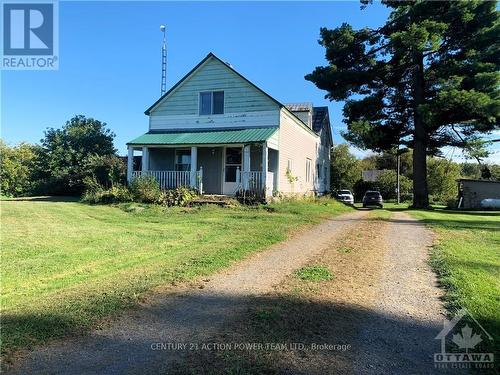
(216, 131)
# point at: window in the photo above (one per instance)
(212, 103)
(308, 170)
(182, 160)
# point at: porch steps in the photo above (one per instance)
(220, 200)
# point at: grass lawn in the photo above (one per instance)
(68, 265)
(467, 261)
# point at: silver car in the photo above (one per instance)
(345, 196)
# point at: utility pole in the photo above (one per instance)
(163, 62)
(399, 171)
(399, 152)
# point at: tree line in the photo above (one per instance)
(442, 174)
(66, 160)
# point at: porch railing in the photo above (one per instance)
(174, 179)
(253, 181)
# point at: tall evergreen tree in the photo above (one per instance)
(426, 79)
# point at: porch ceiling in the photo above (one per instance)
(248, 135)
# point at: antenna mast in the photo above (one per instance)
(163, 62)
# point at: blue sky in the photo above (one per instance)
(109, 66)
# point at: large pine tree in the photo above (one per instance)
(426, 79)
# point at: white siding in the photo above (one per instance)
(297, 145)
(244, 105)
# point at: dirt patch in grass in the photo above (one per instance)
(307, 325)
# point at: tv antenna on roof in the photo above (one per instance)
(163, 61)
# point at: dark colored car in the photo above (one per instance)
(373, 198)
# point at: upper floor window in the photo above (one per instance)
(211, 103)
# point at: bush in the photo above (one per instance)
(250, 198)
(146, 189)
(107, 170)
(177, 197)
(451, 203)
(143, 189)
(115, 194)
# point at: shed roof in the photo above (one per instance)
(230, 136)
(299, 107)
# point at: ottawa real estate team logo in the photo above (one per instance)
(30, 35)
(464, 344)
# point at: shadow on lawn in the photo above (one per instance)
(455, 224)
(379, 342)
(449, 223)
(21, 331)
(476, 265)
(473, 213)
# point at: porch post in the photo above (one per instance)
(145, 158)
(246, 166)
(130, 163)
(264, 166)
(200, 183)
(194, 162)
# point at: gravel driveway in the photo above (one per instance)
(383, 303)
(400, 339)
(139, 342)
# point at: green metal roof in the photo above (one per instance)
(249, 135)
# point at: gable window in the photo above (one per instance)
(212, 103)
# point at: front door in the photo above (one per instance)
(211, 159)
(232, 162)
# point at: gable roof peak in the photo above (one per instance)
(228, 66)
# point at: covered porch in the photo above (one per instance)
(250, 166)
